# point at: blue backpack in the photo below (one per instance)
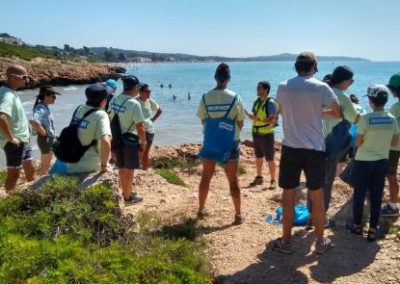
(219, 135)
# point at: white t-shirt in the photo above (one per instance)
(301, 101)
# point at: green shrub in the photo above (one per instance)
(61, 235)
(3, 176)
(170, 177)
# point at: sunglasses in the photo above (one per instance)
(22, 77)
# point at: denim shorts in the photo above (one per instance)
(15, 155)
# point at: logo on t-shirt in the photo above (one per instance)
(380, 120)
(117, 107)
(217, 108)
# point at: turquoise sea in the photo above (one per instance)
(179, 123)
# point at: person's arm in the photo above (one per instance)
(105, 151)
(359, 140)
(395, 140)
(5, 129)
(333, 111)
(142, 135)
(157, 115)
(240, 124)
(38, 127)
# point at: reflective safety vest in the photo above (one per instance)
(260, 109)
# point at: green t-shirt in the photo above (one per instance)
(11, 105)
(349, 111)
(93, 127)
(395, 111)
(378, 129)
(129, 112)
(222, 99)
(148, 108)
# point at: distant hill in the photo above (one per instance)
(11, 46)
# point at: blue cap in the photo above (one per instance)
(96, 93)
(130, 82)
(111, 83)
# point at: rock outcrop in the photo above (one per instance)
(62, 73)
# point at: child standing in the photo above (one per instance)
(377, 131)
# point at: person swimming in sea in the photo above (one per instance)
(189, 97)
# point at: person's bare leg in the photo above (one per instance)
(45, 161)
(145, 158)
(318, 212)
(29, 169)
(204, 187)
(126, 179)
(272, 169)
(288, 201)
(232, 170)
(12, 178)
(393, 188)
(259, 166)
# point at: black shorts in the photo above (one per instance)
(294, 161)
(393, 162)
(264, 146)
(45, 144)
(127, 157)
(15, 155)
(149, 138)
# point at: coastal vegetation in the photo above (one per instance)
(62, 235)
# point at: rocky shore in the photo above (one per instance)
(62, 73)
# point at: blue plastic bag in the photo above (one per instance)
(301, 216)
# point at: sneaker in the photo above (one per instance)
(201, 214)
(239, 219)
(257, 181)
(388, 211)
(133, 199)
(273, 185)
(279, 246)
(323, 246)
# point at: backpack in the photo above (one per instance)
(67, 147)
(219, 136)
(120, 138)
(339, 140)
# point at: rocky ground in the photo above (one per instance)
(238, 253)
(61, 73)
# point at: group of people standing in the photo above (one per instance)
(317, 118)
(136, 113)
(313, 113)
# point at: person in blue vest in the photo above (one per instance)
(264, 117)
(221, 103)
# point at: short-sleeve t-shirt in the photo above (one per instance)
(350, 112)
(129, 112)
(11, 105)
(93, 127)
(395, 111)
(41, 113)
(148, 108)
(377, 129)
(218, 101)
(301, 101)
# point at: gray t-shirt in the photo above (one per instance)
(301, 101)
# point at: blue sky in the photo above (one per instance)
(362, 28)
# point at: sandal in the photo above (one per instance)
(357, 230)
(372, 235)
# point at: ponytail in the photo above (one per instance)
(39, 98)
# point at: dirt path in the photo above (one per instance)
(238, 252)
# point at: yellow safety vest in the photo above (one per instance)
(261, 111)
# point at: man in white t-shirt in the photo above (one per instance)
(302, 101)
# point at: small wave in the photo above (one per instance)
(70, 88)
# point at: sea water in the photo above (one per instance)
(179, 122)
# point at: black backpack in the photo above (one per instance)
(67, 147)
(117, 135)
